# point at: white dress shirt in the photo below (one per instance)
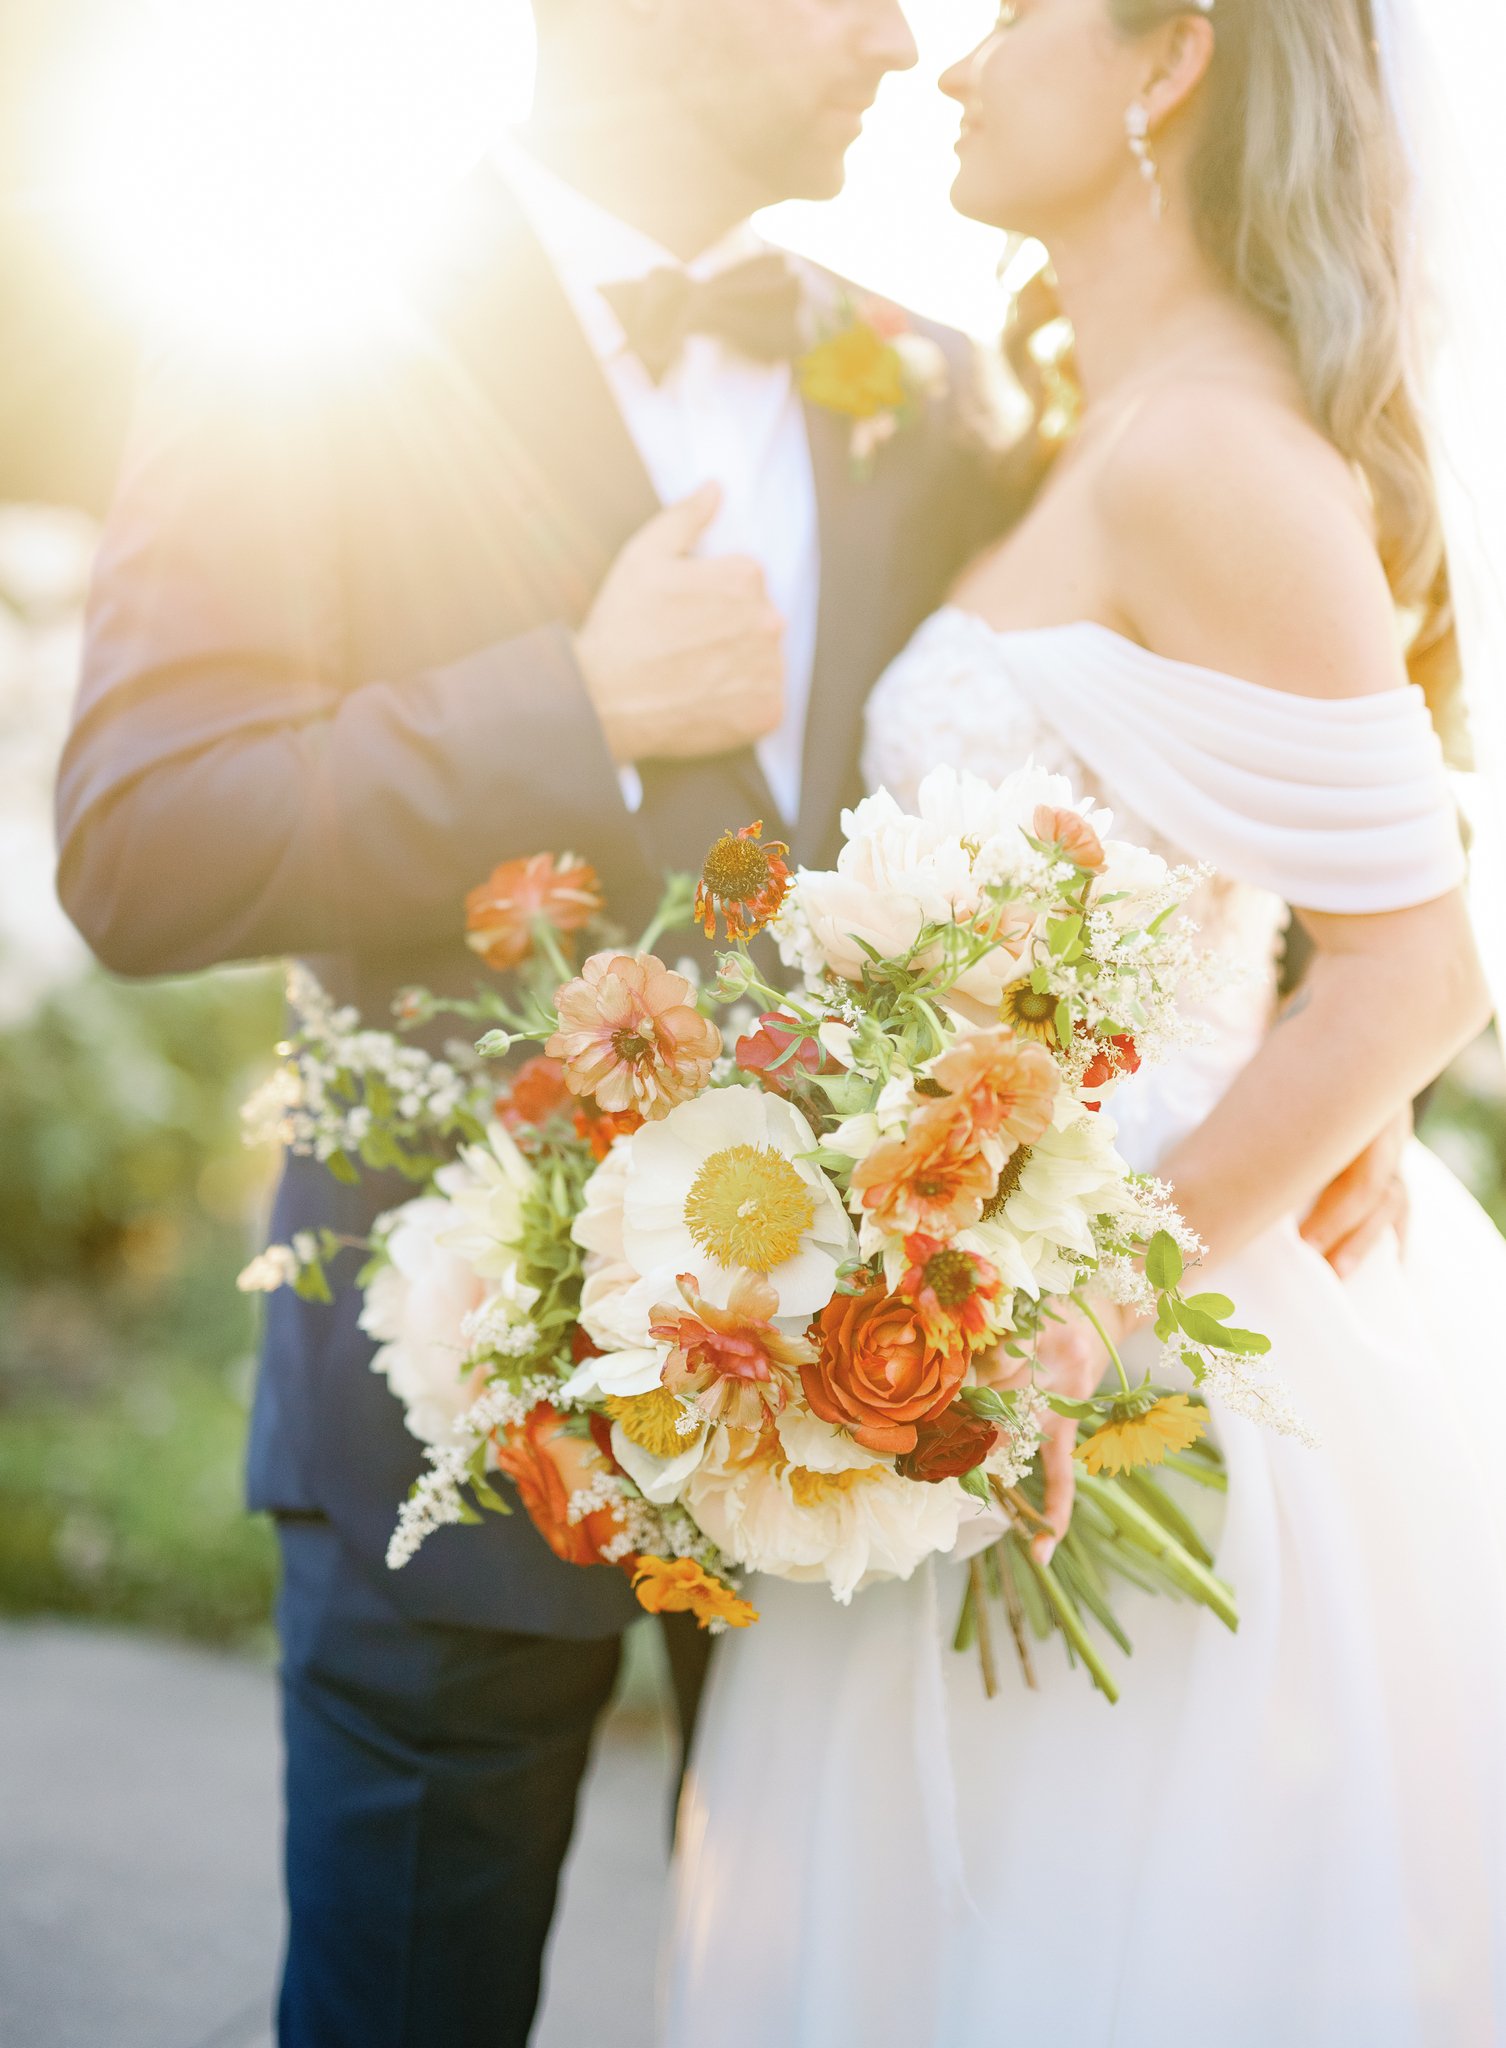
(717, 415)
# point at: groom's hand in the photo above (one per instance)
(682, 656)
(1365, 1204)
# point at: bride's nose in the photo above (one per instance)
(957, 81)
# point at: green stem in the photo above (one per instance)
(548, 944)
(1070, 1623)
(1108, 1345)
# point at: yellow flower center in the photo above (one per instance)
(736, 869)
(651, 1421)
(817, 1489)
(749, 1207)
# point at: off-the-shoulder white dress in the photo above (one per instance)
(1292, 1836)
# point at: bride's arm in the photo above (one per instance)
(1239, 540)
(1386, 1003)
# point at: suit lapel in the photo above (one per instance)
(512, 336)
(860, 559)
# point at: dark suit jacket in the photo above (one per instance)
(329, 684)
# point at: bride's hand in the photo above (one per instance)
(1069, 1360)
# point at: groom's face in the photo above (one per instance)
(780, 87)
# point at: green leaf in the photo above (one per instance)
(1064, 1022)
(1201, 1328)
(343, 1169)
(1163, 1262)
(1063, 935)
(1193, 1360)
(311, 1285)
(1040, 979)
(1218, 1306)
(1247, 1343)
(987, 1402)
(976, 1483)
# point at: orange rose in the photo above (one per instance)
(877, 1371)
(547, 1467)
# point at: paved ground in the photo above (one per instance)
(138, 1855)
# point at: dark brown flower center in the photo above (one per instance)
(926, 1086)
(631, 1046)
(736, 869)
(1009, 1181)
(1031, 1008)
(952, 1277)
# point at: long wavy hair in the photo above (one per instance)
(1298, 186)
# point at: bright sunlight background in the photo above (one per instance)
(262, 171)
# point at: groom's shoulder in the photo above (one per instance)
(837, 297)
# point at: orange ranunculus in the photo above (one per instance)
(1008, 1084)
(533, 1094)
(548, 1467)
(631, 1035)
(878, 1371)
(856, 371)
(600, 1130)
(681, 1586)
(744, 881)
(501, 914)
(1072, 836)
(937, 1178)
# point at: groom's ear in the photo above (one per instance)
(1183, 61)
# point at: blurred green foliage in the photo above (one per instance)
(127, 1207)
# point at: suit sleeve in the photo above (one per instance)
(222, 795)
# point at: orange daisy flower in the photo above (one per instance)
(1009, 1086)
(936, 1178)
(1072, 836)
(681, 1586)
(732, 1362)
(954, 1290)
(501, 914)
(631, 1035)
(745, 879)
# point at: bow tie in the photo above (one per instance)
(755, 305)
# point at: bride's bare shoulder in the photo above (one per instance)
(1237, 537)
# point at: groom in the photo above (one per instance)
(362, 631)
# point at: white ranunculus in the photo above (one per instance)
(1073, 1174)
(1136, 875)
(416, 1307)
(665, 1161)
(486, 1189)
(855, 1521)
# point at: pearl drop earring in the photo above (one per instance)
(1137, 128)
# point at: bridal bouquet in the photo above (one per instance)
(763, 1294)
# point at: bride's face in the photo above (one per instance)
(1044, 98)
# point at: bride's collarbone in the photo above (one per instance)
(1050, 569)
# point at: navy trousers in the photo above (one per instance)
(432, 1774)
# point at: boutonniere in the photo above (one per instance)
(870, 367)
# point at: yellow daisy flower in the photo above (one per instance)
(1029, 1014)
(1170, 1424)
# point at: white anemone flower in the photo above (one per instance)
(659, 1480)
(826, 1511)
(724, 1185)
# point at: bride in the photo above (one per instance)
(1299, 1833)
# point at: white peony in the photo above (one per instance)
(900, 871)
(827, 1511)
(416, 1307)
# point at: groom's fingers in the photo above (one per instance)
(677, 529)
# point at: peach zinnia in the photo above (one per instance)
(500, 915)
(1070, 834)
(745, 879)
(631, 1035)
(1009, 1086)
(936, 1178)
(956, 1291)
(732, 1362)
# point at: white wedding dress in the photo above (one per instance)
(1295, 1835)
